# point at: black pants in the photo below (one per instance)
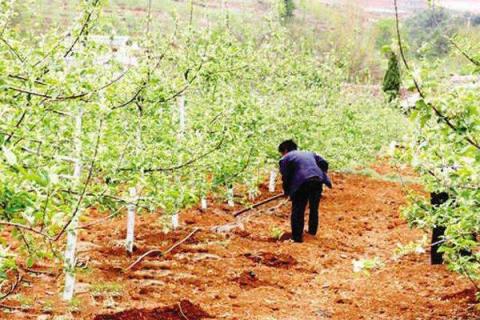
(310, 192)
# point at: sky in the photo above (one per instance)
(461, 5)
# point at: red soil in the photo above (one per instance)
(183, 310)
(243, 274)
(272, 260)
(249, 279)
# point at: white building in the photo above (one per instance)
(122, 50)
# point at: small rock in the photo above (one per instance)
(205, 256)
(229, 227)
(85, 246)
(63, 317)
(343, 301)
(82, 287)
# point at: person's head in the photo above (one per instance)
(287, 146)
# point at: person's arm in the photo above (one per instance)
(321, 163)
(286, 173)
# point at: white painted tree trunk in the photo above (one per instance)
(175, 221)
(72, 231)
(70, 260)
(203, 203)
(129, 241)
(271, 183)
(78, 146)
(181, 114)
(230, 200)
(138, 144)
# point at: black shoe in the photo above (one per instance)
(312, 233)
(298, 240)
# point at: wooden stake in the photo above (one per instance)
(181, 114)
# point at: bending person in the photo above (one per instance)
(303, 175)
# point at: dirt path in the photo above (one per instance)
(248, 275)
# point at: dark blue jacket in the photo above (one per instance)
(299, 166)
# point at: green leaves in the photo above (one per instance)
(443, 151)
(7, 261)
(243, 96)
(392, 79)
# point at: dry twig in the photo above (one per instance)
(181, 311)
(160, 252)
(14, 287)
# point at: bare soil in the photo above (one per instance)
(247, 274)
(176, 312)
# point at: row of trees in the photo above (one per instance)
(203, 110)
(426, 33)
(445, 149)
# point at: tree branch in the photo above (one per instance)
(132, 99)
(182, 165)
(187, 85)
(12, 50)
(83, 29)
(465, 54)
(14, 287)
(71, 97)
(17, 125)
(437, 112)
(141, 88)
(18, 77)
(25, 227)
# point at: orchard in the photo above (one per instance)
(166, 130)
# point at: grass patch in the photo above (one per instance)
(112, 289)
